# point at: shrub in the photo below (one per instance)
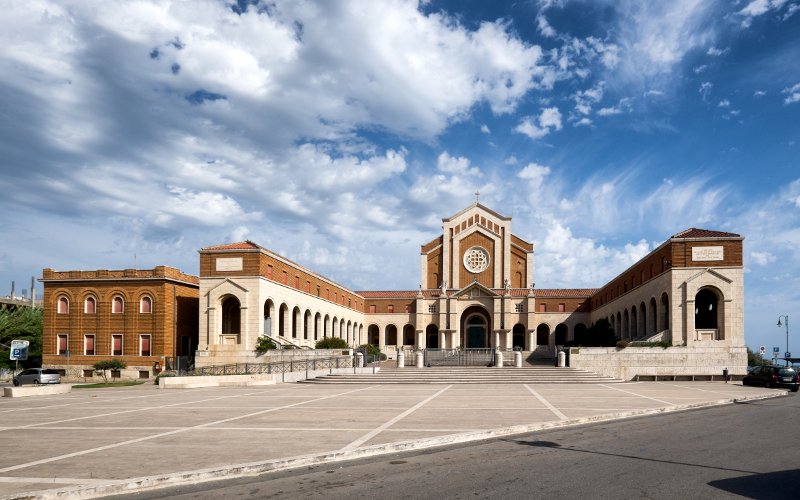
(622, 344)
(331, 343)
(109, 365)
(265, 344)
(164, 374)
(371, 353)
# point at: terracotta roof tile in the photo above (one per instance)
(241, 245)
(564, 292)
(694, 232)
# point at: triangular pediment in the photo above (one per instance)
(227, 281)
(712, 272)
(474, 290)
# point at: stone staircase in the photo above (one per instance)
(469, 375)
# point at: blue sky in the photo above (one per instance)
(340, 133)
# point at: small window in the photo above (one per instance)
(144, 345)
(432, 308)
(542, 308)
(117, 305)
(297, 282)
(90, 305)
(62, 344)
(518, 308)
(372, 309)
(88, 345)
(88, 373)
(146, 305)
(390, 308)
(285, 278)
(116, 345)
(269, 271)
(561, 308)
(63, 305)
(144, 374)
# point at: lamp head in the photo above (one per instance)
(779, 322)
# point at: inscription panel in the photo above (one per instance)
(229, 264)
(707, 253)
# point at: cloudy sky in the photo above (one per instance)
(340, 133)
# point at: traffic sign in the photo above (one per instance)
(788, 354)
(19, 350)
(776, 350)
(762, 349)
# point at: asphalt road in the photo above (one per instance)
(741, 450)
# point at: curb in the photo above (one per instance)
(148, 483)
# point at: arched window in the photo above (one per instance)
(117, 305)
(373, 334)
(408, 335)
(432, 336)
(664, 311)
(146, 305)
(231, 315)
(90, 305)
(62, 306)
(391, 335)
(705, 309)
(543, 335)
(518, 337)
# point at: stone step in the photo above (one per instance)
(469, 375)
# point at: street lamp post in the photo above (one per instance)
(785, 317)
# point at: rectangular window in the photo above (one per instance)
(297, 282)
(390, 308)
(116, 345)
(518, 308)
(408, 308)
(62, 344)
(561, 308)
(88, 345)
(432, 308)
(542, 308)
(144, 345)
(372, 309)
(285, 278)
(269, 271)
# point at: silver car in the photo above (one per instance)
(37, 376)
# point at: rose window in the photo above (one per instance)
(476, 259)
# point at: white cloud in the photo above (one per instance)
(548, 120)
(485, 129)
(705, 89)
(758, 8)
(762, 258)
(544, 27)
(452, 165)
(724, 103)
(759, 93)
(623, 106)
(716, 52)
(700, 69)
(792, 94)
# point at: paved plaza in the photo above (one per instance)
(103, 441)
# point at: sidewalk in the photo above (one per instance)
(95, 442)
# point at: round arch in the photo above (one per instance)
(432, 336)
(561, 334)
(475, 327)
(707, 310)
(518, 337)
(409, 335)
(373, 334)
(543, 335)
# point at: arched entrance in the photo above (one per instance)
(432, 336)
(475, 328)
(518, 337)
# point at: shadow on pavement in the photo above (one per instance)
(781, 484)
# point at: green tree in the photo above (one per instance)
(331, 343)
(20, 323)
(755, 359)
(109, 364)
(264, 344)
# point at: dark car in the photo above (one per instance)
(37, 376)
(772, 376)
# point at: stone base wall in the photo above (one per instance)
(231, 354)
(627, 363)
(86, 373)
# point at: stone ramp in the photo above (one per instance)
(469, 375)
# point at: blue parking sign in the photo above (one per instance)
(19, 350)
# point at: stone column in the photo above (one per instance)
(401, 359)
(420, 360)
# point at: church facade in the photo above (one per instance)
(476, 291)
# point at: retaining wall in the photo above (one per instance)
(629, 362)
(253, 379)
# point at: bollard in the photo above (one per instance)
(498, 357)
(562, 359)
(401, 359)
(420, 359)
(518, 359)
(359, 360)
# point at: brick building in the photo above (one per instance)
(141, 317)
(476, 291)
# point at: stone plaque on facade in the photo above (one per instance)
(229, 264)
(707, 253)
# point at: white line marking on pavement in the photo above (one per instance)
(552, 408)
(366, 437)
(162, 434)
(640, 395)
(54, 480)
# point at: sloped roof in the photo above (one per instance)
(514, 292)
(694, 232)
(564, 292)
(241, 245)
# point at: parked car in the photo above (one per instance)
(773, 376)
(37, 376)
